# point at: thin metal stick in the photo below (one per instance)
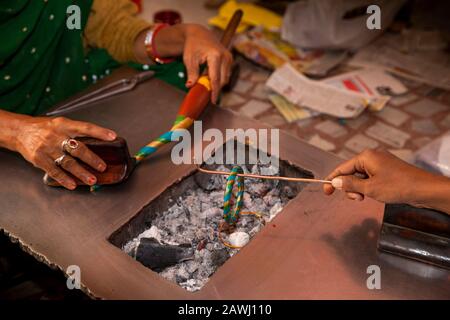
(256, 176)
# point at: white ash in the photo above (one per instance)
(195, 216)
(239, 238)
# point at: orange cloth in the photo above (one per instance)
(113, 25)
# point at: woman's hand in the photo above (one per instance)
(197, 45)
(39, 140)
(201, 46)
(386, 178)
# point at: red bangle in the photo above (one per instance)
(151, 48)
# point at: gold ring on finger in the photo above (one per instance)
(59, 160)
(69, 145)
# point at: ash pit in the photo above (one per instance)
(176, 235)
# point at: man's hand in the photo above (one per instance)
(386, 178)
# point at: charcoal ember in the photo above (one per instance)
(247, 222)
(182, 273)
(202, 244)
(255, 230)
(258, 189)
(205, 255)
(206, 267)
(193, 284)
(216, 197)
(198, 255)
(153, 232)
(271, 197)
(201, 234)
(191, 266)
(257, 205)
(289, 192)
(170, 273)
(210, 182)
(204, 272)
(243, 221)
(274, 192)
(177, 211)
(275, 210)
(191, 202)
(211, 235)
(218, 257)
(255, 169)
(271, 170)
(247, 200)
(130, 246)
(211, 213)
(156, 256)
(245, 169)
(187, 235)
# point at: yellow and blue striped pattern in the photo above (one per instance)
(231, 216)
(180, 123)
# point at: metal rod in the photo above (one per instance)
(256, 176)
(109, 90)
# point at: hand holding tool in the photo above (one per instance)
(192, 106)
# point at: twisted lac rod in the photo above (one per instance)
(257, 176)
(194, 102)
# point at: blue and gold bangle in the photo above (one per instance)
(231, 216)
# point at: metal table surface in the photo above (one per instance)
(318, 247)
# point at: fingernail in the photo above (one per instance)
(101, 167)
(72, 185)
(91, 180)
(112, 135)
(354, 196)
(336, 183)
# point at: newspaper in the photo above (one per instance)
(375, 84)
(430, 67)
(290, 111)
(316, 95)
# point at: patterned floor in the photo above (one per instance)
(407, 123)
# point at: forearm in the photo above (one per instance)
(113, 25)
(10, 124)
(169, 42)
(432, 192)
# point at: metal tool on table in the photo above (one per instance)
(112, 89)
(116, 155)
(416, 233)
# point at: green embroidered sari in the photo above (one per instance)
(42, 62)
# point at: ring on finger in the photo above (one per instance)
(59, 160)
(69, 145)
